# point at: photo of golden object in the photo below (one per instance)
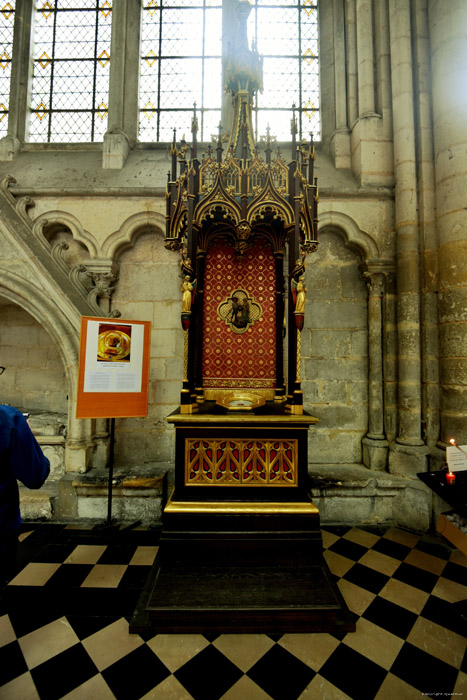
(113, 346)
(240, 401)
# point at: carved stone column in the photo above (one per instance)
(123, 84)
(448, 42)
(18, 108)
(375, 445)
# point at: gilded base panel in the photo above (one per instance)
(240, 462)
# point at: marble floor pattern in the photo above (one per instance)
(64, 626)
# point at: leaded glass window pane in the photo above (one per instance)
(70, 86)
(286, 34)
(181, 47)
(7, 18)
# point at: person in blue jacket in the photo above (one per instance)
(20, 458)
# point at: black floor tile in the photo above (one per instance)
(54, 553)
(275, 637)
(338, 530)
(391, 549)
(133, 676)
(444, 614)
(208, 675)
(464, 663)
(43, 536)
(390, 617)
(135, 577)
(34, 606)
(436, 549)
(118, 553)
(28, 610)
(280, 674)
(414, 576)
(12, 663)
(455, 572)
(63, 673)
(429, 675)
(355, 675)
(85, 626)
(211, 636)
(366, 578)
(69, 576)
(348, 549)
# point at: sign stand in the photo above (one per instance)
(113, 381)
(111, 472)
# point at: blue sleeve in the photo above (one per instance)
(27, 461)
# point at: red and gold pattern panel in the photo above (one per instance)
(240, 462)
(246, 360)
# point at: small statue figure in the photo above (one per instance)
(299, 294)
(240, 313)
(187, 294)
(300, 291)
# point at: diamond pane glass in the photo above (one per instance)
(70, 86)
(7, 18)
(286, 34)
(181, 46)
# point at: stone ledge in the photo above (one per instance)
(96, 484)
(37, 505)
(352, 494)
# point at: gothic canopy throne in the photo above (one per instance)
(238, 220)
(241, 545)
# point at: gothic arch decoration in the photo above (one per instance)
(354, 236)
(62, 324)
(72, 224)
(125, 237)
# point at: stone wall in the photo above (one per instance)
(34, 379)
(335, 355)
(384, 343)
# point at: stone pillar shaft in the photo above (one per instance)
(123, 83)
(427, 219)
(352, 96)
(365, 57)
(383, 104)
(20, 82)
(375, 356)
(340, 85)
(406, 222)
(448, 41)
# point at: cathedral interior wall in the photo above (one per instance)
(377, 352)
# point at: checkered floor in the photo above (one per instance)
(64, 626)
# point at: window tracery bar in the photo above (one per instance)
(7, 18)
(70, 86)
(180, 64)
(286, 36)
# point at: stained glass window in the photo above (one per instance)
(286, 35)
(181, 47)
(7, 17)
(70, 86)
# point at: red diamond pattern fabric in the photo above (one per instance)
(232, 360)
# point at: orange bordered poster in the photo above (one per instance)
(113, 370)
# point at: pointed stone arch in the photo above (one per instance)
(126, 236)
(63, 326)
(354, 237)
(73, 224)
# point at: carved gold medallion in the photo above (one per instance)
(239, 311)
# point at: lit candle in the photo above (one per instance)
(450, 478)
